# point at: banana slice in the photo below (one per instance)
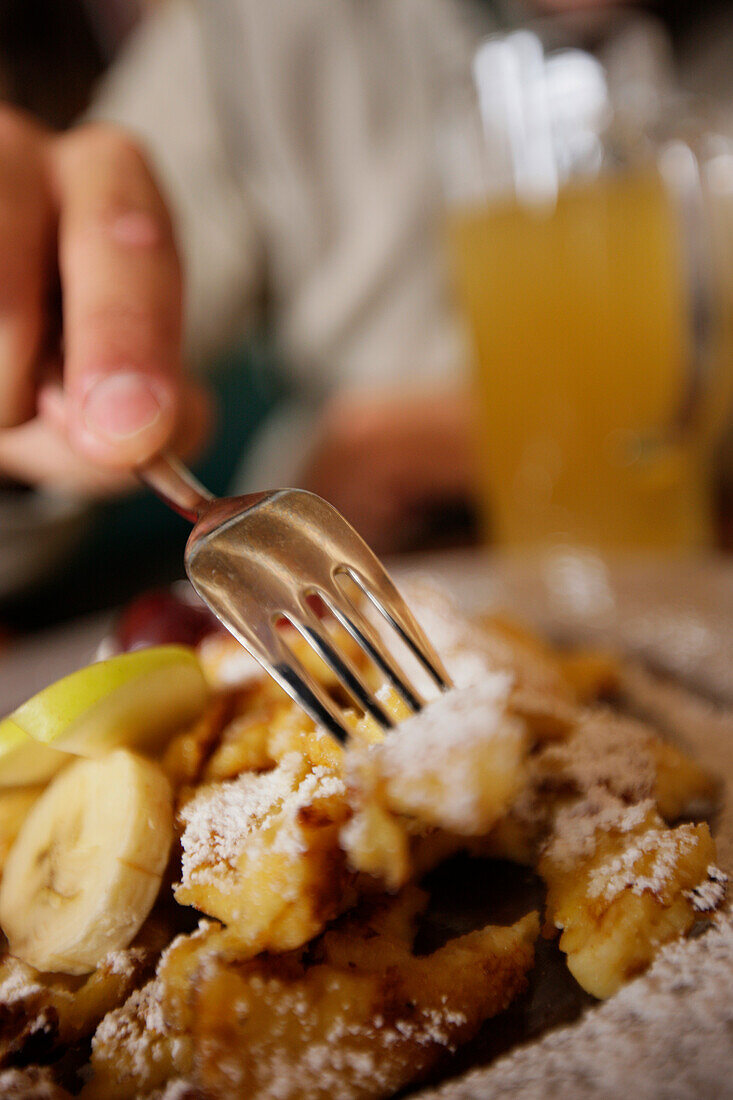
(15, 805)
(87, 863)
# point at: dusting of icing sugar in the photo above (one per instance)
(31, 1083)
(226, 663)
(436, 755)
(465, 649)
(19, 985)
(338, 1063)
(606, 750)
(577, 826)
(619, 874)
(709, 895)
(665, 1034)
(457, 720)
(605, 766)
(124, 962)
(223, 818)
(471, 650)
(447, 629)
(137, 1026)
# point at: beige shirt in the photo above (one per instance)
(295, 140)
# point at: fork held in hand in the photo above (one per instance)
(257, 559)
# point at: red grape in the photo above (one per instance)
(161, 618)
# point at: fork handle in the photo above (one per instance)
(174, 483)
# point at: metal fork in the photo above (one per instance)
(257, 559)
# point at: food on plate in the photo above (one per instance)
(457, 766)
(359, 1015)
(45, 1012)
(230, 908)
(23, 761)
(32, 1083)
(261, 853)
(14, 806)
(131, 699)
(87, 864)
(628, 885)
(162, 618)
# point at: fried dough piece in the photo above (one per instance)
(681, 787)
(249, 727)
(186, 754)
(244, 745)
(264, 853)
(457, 764)
(43, 1011)
(606, 752)
(358, 1018)
(40, 1012)
(593, 674)
(621, 888)
(32, 1083)
(455, 767)
(262, 726)
(135, 1050)
(261, 853)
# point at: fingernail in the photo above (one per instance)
(136, 228)
(120, 406)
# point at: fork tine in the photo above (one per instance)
(312, 630)
(383, 595)
(260, 638)
(361, 631)
(300, 686)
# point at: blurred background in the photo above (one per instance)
(463, 267)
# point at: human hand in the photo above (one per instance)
(386, 460)
(81, 215)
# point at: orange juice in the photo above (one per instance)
(580, 323)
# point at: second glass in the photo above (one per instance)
(594, 286)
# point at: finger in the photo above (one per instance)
(38, 454)
(26, 227)
(121, 291)
(191, 433)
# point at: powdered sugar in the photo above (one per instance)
(667, 1034)
(621, 873)
(32, 1083)
(605, 750)
(350, 1053)
(456, 763)
(576, 827)
(709, 895)
(18, 984)
(137, 1022)
(124, 962)
(605, 772)
(223, 818)
(447, 730)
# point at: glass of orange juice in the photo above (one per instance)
(590, 240)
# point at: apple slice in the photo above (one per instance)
(23, 762)
(135, 700)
